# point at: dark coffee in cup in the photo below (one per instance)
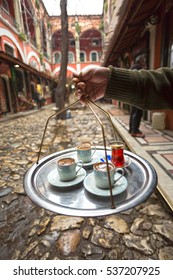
(66, 161)
(84, 146)
(101, 166)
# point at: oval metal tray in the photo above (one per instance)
(76, 200)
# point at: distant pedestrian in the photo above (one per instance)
(39, 100)
(135, 112)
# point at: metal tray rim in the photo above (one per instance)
(140, 197)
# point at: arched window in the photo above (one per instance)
(94, 56)
(57, 57)
(82, 56)
(9, 49)
(70, 57)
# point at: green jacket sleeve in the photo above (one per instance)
(147, 89)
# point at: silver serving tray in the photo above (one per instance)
(76, 200)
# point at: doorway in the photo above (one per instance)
(4, 96)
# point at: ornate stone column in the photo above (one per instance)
(18, 15)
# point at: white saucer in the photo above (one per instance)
(53, 179)
(90, 186)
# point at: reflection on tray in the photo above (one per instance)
(53, 179)
(90, 186)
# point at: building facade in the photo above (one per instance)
(25, 52)
(138, 26)
(85, 43)
(30, 51)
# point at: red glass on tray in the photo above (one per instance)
(118, 154)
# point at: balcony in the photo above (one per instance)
(7, 17)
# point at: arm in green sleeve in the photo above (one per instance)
(147, 89)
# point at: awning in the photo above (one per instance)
(13, 61)
(132, 22)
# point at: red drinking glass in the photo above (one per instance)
(118, 154)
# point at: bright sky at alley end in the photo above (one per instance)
(75, 7)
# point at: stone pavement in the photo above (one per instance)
(29, 232)
(156, 147)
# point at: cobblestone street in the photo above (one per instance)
(29, 232)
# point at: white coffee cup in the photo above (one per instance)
(67, 168)
(101, 174)
(85, 152)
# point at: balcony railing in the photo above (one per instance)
(6, 16)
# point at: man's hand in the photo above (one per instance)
(91, 83)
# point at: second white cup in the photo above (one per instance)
(85, 152)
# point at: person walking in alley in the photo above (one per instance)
(146, 89)
(135, 112)
(39, 100)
